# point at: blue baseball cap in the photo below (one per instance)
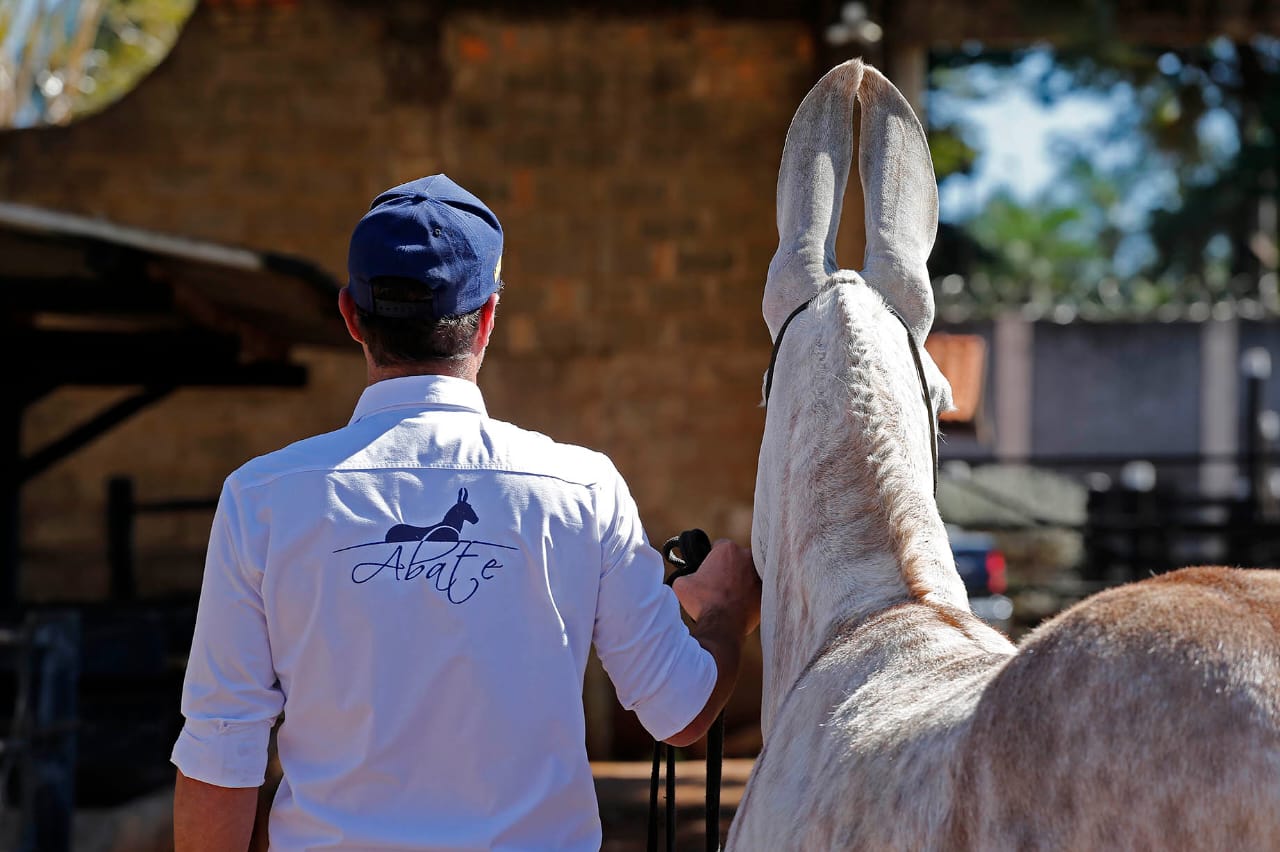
(433, 231)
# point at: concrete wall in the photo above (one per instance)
(1116, 389)
(1139, 390)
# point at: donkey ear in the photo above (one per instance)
(811, 183)
(900, 195)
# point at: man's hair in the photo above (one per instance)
(395, 341)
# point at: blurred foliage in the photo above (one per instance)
(952, 154)
(63, 59)
(1179, 223)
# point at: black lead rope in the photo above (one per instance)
(693, 547)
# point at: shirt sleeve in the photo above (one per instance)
(658, 669)
(230, 698)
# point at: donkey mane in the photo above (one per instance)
(887, 462)
(880, 440)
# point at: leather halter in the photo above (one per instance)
(915, 356)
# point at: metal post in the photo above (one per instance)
(1256, 366)
(1139, 479)
(1014, 394)
(1219, 406)
(49, 754)
(10, 488)
(1099, 548)
(121, 507)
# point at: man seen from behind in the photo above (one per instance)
(417, 592)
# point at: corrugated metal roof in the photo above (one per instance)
(63, 270)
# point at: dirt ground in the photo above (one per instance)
(146, 824)
(623, 790)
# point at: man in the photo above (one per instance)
(418, 591)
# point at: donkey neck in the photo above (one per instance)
(827, 576)
(846, 518)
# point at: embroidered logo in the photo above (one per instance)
(449, 528)
(437, 553)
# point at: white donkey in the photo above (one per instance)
(1147, 717)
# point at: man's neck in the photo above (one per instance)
(464, 368)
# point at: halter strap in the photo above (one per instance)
(924, 390)
(915, 357)
(777, 344)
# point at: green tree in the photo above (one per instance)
(61, 59)
(1186, 215)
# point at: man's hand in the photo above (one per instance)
(726, 584)
(723, 597)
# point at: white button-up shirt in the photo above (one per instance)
(417, 592)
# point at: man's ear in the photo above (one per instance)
(347, 307)
(487, 313)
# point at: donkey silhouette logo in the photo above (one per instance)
(449, 528)
(436, 554)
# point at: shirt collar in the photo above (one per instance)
(419, 392)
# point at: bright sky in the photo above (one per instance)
(1019, 136)
(1016, 134)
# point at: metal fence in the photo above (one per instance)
(39, 680)
(1134, 516)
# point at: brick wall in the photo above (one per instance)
(631, 159)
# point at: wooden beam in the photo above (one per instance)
(69, 295)
(106, 420)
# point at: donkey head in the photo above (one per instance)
(845, 521)
(900, 198)
(460, 512)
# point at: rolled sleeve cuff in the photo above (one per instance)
(681, 698)
(223, 753)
